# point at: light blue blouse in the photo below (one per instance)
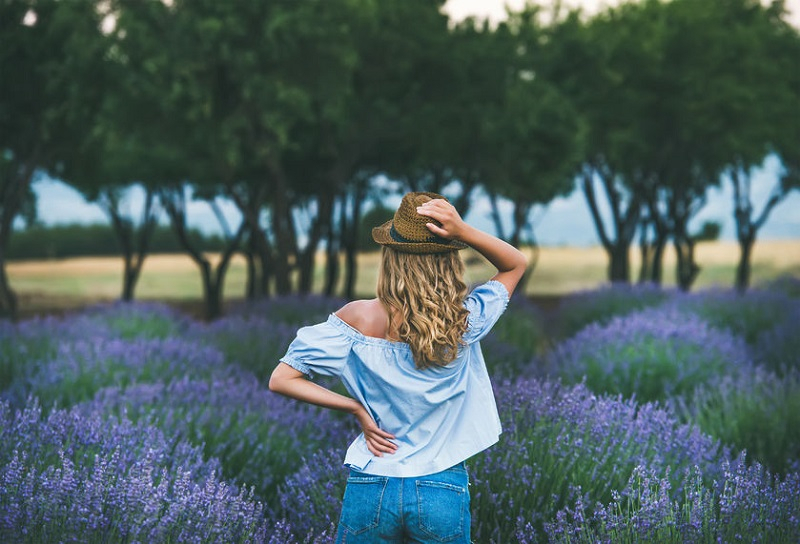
(440, 416)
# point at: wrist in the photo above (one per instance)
(465, 233)
(357, 409)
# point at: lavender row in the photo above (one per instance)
(566, 453)
(198, 384)
(67, 476)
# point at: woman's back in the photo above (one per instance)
(418, 383)
(439, 416)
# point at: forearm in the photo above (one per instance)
(502, 255)
(290, 383)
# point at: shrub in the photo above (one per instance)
(651, 354)
(70, 477)
(81, 368)
(311, 498)
(746, 505)
(788, 285)
(746, 315)
(556, 440)
(128, 320)
(24, 345)
(259, 437)
(778, 348)
(296, 310)
(757, 412)
(254, 343)
(601, 305)
(522, 327)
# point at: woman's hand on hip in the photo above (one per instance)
(378, 440)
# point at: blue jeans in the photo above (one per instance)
(433, 508)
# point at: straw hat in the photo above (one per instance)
(407, 232)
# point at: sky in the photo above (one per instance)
(564, 221)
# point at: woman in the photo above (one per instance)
(411, 360)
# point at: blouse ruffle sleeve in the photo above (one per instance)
(319, 349)
(486, 303)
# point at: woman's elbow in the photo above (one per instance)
(276, 381)
(523, 261)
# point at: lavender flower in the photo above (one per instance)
(81, 367)
(598, 306)
(560, 445)
(296, 310)
(651, 354)
(311, 498)
(138, 319)
(779, 346)
(746, 315)
(516, 341)
(73, 477)
(757, 412)
(253, 343)
(746, 504)
(247, 428)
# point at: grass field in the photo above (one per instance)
(62, 284)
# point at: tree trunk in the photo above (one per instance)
(350, 242)
(133, 257)
(687, 268)
(746, 227)
(12, 192)
(624, 220)
(249, 198)
(213, 278)
(8, 299)
(251, 269)
(657, 265)
(306, 258)
(282, 229)
(743, 268)
(496, 216)
(332, 252)
(645, 252)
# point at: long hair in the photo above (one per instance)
(424, 297)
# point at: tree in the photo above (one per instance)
(531, 132)
(50, 47)
(590, 63)
(718, 94)
(771, 125)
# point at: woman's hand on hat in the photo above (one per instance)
(451, 224)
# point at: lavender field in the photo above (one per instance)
(630, 415)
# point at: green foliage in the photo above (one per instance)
(708, 232)
(63, 241)
(522, 328)
(21, 349)
(652, 355)
(746, 504)
(599, 306)
(747, 315)
(758, 413)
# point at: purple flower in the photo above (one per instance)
(75, 477)
(651, 354)
(598, 306)
(745, 504)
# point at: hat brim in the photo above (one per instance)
(382, 235)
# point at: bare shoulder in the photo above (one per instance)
(366, 316)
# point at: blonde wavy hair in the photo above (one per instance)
(424, 297)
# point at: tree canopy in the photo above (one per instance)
(295, 110)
